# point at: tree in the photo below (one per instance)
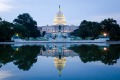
(88, 29)
(107, 24)
(26, 20)
(6, 31)
(83, 32)
(96, 29)
(75, 32)
(112, 28)
(115, 33)
(0, 19)
(21, 30)
(43, 33)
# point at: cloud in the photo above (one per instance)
(5, 6)
(74, 22)
(115, 16)
(5, 74)
(97, 18)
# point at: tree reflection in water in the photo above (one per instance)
(107, 55)
(6, 52)
(25, 56)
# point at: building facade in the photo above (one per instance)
(59, 25)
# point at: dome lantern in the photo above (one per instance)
(59, 18)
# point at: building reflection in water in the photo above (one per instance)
(59, 53)
(55, 51)
(24, 56)
(60, 64)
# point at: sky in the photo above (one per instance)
(75, 11)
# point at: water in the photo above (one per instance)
(60, 62)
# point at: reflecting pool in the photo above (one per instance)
(60, 61)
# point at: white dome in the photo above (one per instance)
(59, 18)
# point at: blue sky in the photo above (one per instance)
(43, 11)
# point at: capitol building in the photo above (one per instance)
(59, 25)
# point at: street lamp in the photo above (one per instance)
(104, 34)
(105, 49)
(17, 34)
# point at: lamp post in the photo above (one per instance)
(17, 34)
(105, 49)
(104, 34)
